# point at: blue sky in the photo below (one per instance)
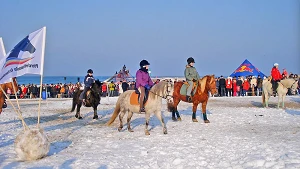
(104, 35)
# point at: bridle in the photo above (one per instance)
(168, 95)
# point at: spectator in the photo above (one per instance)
(222, 84)
(125, 86)
(111, 87)
(259, 85)
(234, 86)
(229, 87)
(246, 86)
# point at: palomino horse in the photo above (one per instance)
(163, 89)
(204, 86)
(282, 89)
(93, 99)
(5, 86)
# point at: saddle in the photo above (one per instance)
(135, 97)
(184, 88)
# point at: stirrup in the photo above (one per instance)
(142, 110)
(189, 98)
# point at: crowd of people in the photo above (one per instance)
(227, 87)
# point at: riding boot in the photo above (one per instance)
(141, 100)
(188, 99)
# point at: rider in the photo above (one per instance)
(276, 77)
(191, 76)
(88, 81)
(143, 82)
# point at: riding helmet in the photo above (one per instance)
(144, 63)
(276, 64)
(90, 71)
(190, 60)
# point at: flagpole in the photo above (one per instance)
(42, 72)
(17, 111)
(15, 94)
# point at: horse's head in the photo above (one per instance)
(212, 84)
(164, 89)
(207, 82)
(294, 85)
(96, 87)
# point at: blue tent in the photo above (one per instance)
(247, 69)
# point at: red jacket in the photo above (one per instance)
(275, 73)
(228, 84)
(246, 85)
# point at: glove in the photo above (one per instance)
(194, 80)
(147, 87)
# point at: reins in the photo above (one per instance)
(166, 97)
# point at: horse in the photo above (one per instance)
(204, 86)
(5, 86)
(282, 89)
(93, 99)
(128, 103)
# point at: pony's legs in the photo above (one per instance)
(78, 111)
(175, 111)
(160, 118)
(279, 100)
(95, 113)
(194, 112)
(128, 121)
(204, 112)
(283, 98)
(147, 116)
(121, 120)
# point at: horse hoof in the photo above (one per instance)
(206, 121)
(95, 117)
(174, 119)
(79, 117)
(195, 120)
(76, 116)
(130, 130)
(165, 132)
(119, 129)
(179, 118)
(147, 133)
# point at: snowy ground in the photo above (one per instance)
(241, 134)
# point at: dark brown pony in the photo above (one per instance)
(204, 86)
(5, 86)
(93, 99)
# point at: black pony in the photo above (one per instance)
(92, 99)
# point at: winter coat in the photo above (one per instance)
(111, 86)
(143, 78)
(191, 73)
(89, 80)
(259, 82)
(222, 82)
(246, 85)
(275, 73)
(228, 84)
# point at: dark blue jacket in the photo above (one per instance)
(88, 80)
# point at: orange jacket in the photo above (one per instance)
(275, 73)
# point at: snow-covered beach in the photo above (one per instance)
(241, 134)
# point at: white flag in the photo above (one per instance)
(27, 57)
(2, 49)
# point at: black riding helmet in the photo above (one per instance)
(144, 63)
(90, 71)
(190, 60)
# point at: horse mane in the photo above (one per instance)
(158, 89)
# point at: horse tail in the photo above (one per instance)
(115, 114)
